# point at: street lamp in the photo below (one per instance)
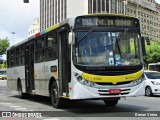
(13, 36)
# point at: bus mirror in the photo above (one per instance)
(143, 46)
(71, 38)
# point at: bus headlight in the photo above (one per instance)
(83, 81)
(136, 82)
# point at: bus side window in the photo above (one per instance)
(22, 55)
(12, 58)
(8, 59)
(39, 53)
(18, 56)
(51, 46)
(51, 39)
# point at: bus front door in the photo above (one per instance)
(29, 68)
(64, 64)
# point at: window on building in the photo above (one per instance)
(89, 6)
(103, 5)
(107, 6)
(94, 6)
(99, 6)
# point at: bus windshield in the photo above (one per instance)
(99, 48)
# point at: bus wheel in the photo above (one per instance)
(55, 99)
(21, 94)
(148, 91)
(110, 102)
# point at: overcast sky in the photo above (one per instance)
(17, 17)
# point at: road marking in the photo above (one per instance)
(18, 108)
(1, 94)
(15, 106)
(14, 92)
(5, 103)
(52, 119)
(23, 109)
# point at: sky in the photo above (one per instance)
(16, 16)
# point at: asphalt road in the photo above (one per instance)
(130, 108)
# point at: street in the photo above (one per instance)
(9, 101)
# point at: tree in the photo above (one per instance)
(4, 44)
(153, 53)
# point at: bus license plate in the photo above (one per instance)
(114, 91)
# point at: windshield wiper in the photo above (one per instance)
(123, 34)
(119, 50)
(84, 36)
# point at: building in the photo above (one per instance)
(158, 7)
(148, 14)
(54, 11)
(34, 28)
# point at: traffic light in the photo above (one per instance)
(26, 1)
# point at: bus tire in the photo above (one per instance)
(148, 91)
(56, 101)
(110, 102)
(21, 94)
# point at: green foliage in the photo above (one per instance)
(4, 44)
(153, 53)
(2, 66)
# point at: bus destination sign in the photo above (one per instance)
(106, 21)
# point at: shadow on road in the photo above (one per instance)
(87, 106)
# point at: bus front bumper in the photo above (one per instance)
(80, 91)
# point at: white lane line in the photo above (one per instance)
(1, 94)
(14, 92)
(15, 106)
(21, 108)
(52, 119)
(5, 103)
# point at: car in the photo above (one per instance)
(3, 75)
(152, 83)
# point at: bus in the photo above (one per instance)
(88, 57)
(154, 66)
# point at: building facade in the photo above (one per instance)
(148, 14)
(34, 28)
(55, 11)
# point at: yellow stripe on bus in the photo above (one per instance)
(112, 79)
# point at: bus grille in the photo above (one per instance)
(106, 92)
(119, 83)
